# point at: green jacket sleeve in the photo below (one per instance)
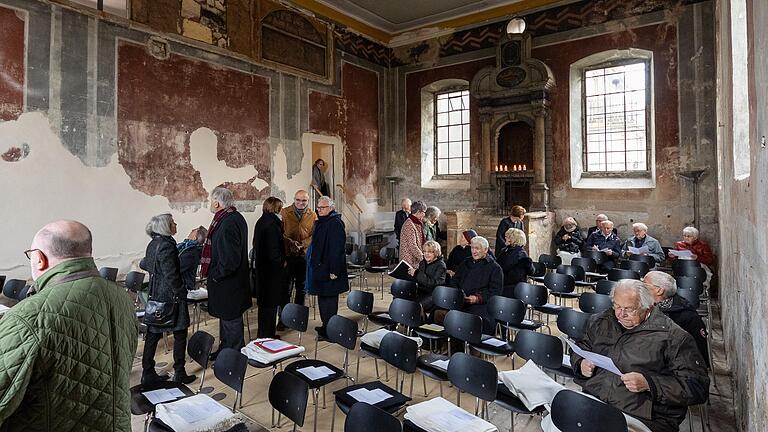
(19, 351)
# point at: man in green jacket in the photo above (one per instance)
(66, 351)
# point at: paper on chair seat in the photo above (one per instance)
(432, 327)
(315, 373)
(553, 306)
(255, 352)
(196, 414)
(492, 341)
(439, 415)
(374, 338)
(276, 344)
(163, 395)
(566, 360)
(527, 322)
(384, 315)
(441, 364)
(371, 397)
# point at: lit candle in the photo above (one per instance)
(525, 168)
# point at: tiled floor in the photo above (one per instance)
(257, 408)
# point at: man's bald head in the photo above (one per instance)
(64, 239)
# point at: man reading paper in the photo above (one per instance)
(663, 371)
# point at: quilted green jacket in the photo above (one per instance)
(66, 354)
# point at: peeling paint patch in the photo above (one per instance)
(15, 154)
(11, 64)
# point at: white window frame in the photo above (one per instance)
(461, 124)
(580, 178)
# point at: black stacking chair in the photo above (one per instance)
(605, 286)
(680, 265)
(134, 281)
(692, 296)
(691, 283)
(476, 377)
(361, 302)
(544, 350)
(644, 258)
(295, 317)
(538, 270)
(506, 312)
(594, 303)
(288, 395)
(343, 332)
(14, 289)
(693, 272)
(401, 311)
(2, 280)
(109, 273)
(618, 274)
(533, 296)
(561, 286)
(588, 264)
(398, 351)
(550, 261)
(443, 297)
(404, 289)
(573, 323)
(368, 418)
(381, 271)
(639, 266)
(461, 326)
(604, 263)
(574, 412)
(230, 369)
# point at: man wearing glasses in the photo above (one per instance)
(662, 370)
(298, 223)
(66, 350)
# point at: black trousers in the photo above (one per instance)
(267, 322)
(297, 273)
(150, 347)
(231, 333)
(329, 306)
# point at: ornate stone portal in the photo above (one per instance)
(515, 90)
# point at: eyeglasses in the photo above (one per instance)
(323, 207)
(627, 310)
(300, 200)
(29, 251)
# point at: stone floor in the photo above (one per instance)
(256, 406)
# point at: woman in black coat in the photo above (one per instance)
(162, 262)
(270, 282)
(430, 274)
(569, 238)
(327, 261)
(513, 260)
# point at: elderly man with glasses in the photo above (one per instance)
(662, 370)
(298, 224)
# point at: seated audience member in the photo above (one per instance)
(514, 220)
(430, 223)
(662, 370)
(569, 240)
(699, 248)
(663, 288)
(599, 219)
(605, 240)
(460, 252)
(412, 235)
(401, 216)
(429, 274)
(190, 251)
(480, 278)
(640, 239)
(513, 260)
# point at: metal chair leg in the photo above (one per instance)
(333, 417)
(424, 381)
(316, 404)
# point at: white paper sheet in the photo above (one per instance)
(198, 409)
(276, 344)
(527, 322)
(494, 342)
(385, 315)
(315, 373)
(566, 360)
(4, 309)
(682, 253)
(639, 251)
(441, 364)
(371, 397)
(598, 360)
(162, 395)
(455, 420)
(432, 327)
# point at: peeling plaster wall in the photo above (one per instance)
(96, 129)
(744, 204)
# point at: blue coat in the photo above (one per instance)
(611, 242)
(326, 256)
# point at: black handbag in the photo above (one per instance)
(159, 313)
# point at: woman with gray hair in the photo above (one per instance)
(165, 285)
(700, 250)
(430, 223)
(412, 235)
(569, 240)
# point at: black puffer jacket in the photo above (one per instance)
(685, 315)
(189, 259)
(662, 352)
(162, 262)
(430, 275)
(516, 265)
(573, 245)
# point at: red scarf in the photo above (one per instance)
(420, 225)
(205, 258)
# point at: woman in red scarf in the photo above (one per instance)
(412, 235)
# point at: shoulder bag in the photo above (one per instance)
(158, 313)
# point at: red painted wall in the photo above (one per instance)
(354, 117)
(160, 103)
(11, 64)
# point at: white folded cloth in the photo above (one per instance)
(439, 415)
(198, 294)
(374, 338)
(254, 352)
(197, 413)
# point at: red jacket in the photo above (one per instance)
(700, 248)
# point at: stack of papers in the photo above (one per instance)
(315, 373)
(371, 397)
(274, 345)
(639, 251)
(531, 385)
(432, 327)
(374, 338)
(685, 254)
(439, 415)
(163, 395)
(441, 364)
(492, 341)
(255, 352)
(198, 294)
(196, 414)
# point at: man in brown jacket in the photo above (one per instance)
(662, 370)
(298, 223)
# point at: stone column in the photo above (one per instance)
(539, 188)
(486, 190)
(540, 227)
(457, 222)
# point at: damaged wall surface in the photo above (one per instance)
(110, 125)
